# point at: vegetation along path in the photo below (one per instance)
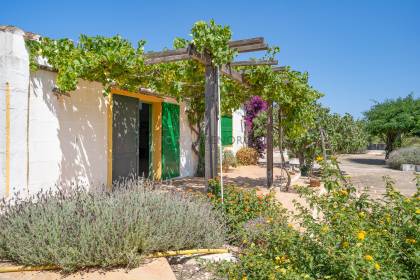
(368, 170)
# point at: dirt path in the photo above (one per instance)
(368, 170)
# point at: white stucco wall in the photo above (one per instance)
(189, 159)
(238, 130)
(14, 71)
(57, 139)
(67, 134)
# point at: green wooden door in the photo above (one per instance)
(170, 140)
(227, 139)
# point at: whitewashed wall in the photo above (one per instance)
(189, 159)
(14, 70)
(238, 130)
(62, 139)
(67, 135)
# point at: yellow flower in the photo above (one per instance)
(344, 192)
(362, 214)
(418, 211)
(244, 278)
(361, 235)
(368, 258)
(319, 158)
(269, 220)
(281, 259)
(282, 270)
(377, 266)
(289, 225)
(324, 229)
(410, 241)
(345, 244)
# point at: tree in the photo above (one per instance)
(302, 132)
(393, 119)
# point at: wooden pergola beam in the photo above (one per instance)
(164, 59)
(231, 73)
(252, 48)
(254, 62)
(246, 42)
(279, 68)
(241, 46)
(166, 53)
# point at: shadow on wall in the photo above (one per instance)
(188, 159)
(74, 147)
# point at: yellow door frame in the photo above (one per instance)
(156, 148)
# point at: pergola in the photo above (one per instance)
(212, 93)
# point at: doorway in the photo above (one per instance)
(131, 137)
(144, 139)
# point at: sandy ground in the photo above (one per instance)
(156, 269)
(253, 176)
(368, 170)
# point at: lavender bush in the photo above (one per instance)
(74, 228)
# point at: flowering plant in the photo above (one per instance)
(341, 234)
(241, 207)
(253, 108)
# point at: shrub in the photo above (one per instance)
(353, 237)
(253, 108)
(247, 156)
(241, 207)
(74, 228)
(409, 155)
(410, 141)
(228, 160)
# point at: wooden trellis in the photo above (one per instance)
(211, 93)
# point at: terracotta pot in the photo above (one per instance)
(315, 183)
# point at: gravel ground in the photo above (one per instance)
(188, 268)
(368, 170)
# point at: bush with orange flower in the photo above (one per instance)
(344, 235)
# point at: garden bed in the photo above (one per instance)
(74, 229)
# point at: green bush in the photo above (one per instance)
(247, 156)
(410, 141)
(229, 160)
(241, 207)
(409, 155)
(352, 237)
(74, 228)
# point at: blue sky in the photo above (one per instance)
(355, 51)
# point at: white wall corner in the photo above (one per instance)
(238, 130)
(14, 74)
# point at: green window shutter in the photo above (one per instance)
(227, 131)
(170, 141)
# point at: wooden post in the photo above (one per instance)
(281, 137)
(270, 145)
(211, 120)
(324, 151)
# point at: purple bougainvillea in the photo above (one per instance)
(253, 107)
